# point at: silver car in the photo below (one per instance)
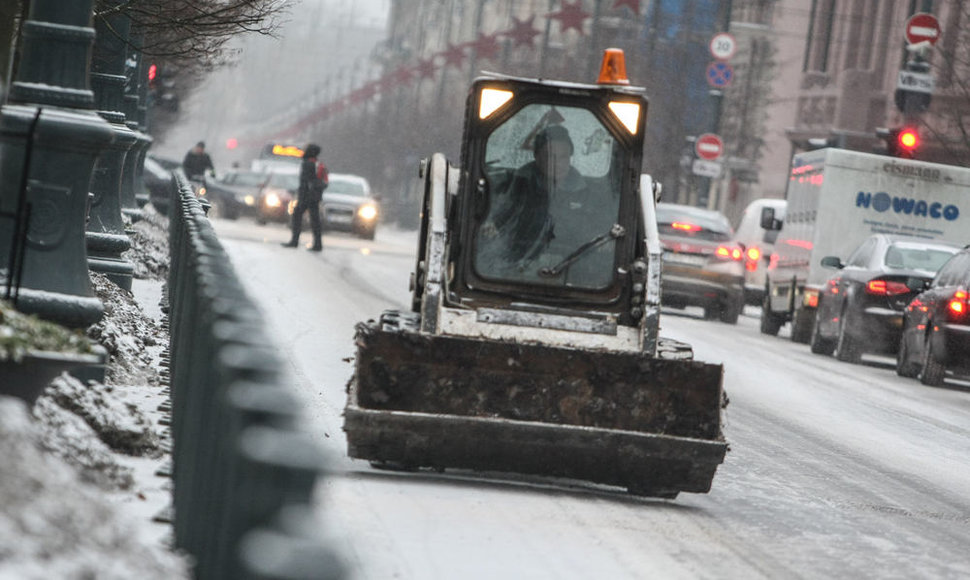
(349, 205)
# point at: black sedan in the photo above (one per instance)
(159, 182)
(861, 307)
(936, 325)
(701, 266)
(234, 193)
(278, 196)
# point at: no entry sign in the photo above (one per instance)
(708, 146)
(922, 27)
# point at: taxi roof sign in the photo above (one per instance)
(287, 151)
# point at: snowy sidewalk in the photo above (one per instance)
(78, 483)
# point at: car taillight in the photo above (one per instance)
(753, 254)
(886, 288)
(832, 287)
(957, 307)
(726, 253)
(810, 298)
(685, 227)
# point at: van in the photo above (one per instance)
(836, 199)
(757, 244)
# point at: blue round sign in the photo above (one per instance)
(719, 74)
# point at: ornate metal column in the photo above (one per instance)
(129, 202)
(52, 85)
(106, 237)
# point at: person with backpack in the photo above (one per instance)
(314, 178)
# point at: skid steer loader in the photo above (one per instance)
(532, 346)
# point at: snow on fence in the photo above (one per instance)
(243, 472)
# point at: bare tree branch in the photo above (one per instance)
(194, 33)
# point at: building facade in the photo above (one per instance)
(837, 65)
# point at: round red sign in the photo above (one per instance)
(708, 146)
(922, 27)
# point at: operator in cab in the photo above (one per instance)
(548, 212)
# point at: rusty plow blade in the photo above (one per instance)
(650, 425)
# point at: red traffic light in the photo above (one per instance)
(152, 71)
(907, 140)
(900, 142)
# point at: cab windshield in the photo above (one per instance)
(553, 200)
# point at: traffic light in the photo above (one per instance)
(907, 142)
(900, 141)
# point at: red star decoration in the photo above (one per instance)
(486, 46)
(387, 82)
(454, 55)
(365, 92)
(403, 75)
(425, 68)
(522, 32)
(633, 5)
(571, 15)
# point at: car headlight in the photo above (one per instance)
(249, 200)
(273, 200)
(367, 212)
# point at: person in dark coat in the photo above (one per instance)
(313, 180)
(522, 215)
(197, 162)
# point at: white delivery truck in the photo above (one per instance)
(837, 198)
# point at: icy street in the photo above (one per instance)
(834, 470)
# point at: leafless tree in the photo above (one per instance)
(947, 122)
(195, 33)
(186, 39)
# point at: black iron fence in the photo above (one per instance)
(243, 471)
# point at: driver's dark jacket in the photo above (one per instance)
(522, 213)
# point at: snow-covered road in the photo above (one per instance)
(835, 470)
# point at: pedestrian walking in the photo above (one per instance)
(313, 180)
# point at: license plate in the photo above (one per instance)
(685, 259)
(339, 219)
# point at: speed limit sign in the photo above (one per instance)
(723, 46)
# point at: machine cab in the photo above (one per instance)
(549, 190)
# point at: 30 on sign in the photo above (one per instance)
(723, 46)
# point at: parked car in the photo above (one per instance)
(757, 243)
(936, 325)
(235, 192)
(349, 205)
(277, 198)
(701, 265)
(861, 307)
(158, 181)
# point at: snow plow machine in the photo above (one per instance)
(532, 342)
